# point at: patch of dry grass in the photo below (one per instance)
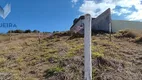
(133, 35)
(128, 33)
(4, 38)
(60, 57)
(138, 39)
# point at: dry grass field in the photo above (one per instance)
(60, 57)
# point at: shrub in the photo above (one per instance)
(66, 33)
(36, 31)
(138, 39)
(2, 60)
(97, 51)
(76, 35)
(18, 31)
(56, 31)
(22, 31)
(97, 54)
(10, 31)
(136, 35)
(53, 71)
(127, 33)
(27, 31)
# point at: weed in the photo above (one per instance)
(138, 39)
(19, 60)
(30, 78)
(97, 51)
(75, 50)
(53, 58)
(97, 54)
(53, 71)
(128, 33)
(2, 60)
(93, 73)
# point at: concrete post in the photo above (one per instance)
(87, 47)
(10, 35)
(110, 28)
(39, 37)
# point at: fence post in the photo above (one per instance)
(10, 35)
(110, 30)
(87, 47)
(39, 37)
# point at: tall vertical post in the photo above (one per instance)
(10, 35)
(110, 28)
(87, 48)
(39, 37)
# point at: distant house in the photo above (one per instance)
(103, 23)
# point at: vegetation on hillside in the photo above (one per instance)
(23, 31)
(133, 35)
(60, 56)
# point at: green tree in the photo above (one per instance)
(36, 31)
(27, 31)
(18, 31)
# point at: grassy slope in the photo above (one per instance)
(61, 58)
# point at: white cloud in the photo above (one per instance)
(91, 7)
(95, 8)
(122, 11)
(74, 2)
(135, 16)
(116, 12)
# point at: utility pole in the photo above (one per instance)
(87, 47)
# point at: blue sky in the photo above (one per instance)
(43, 15)
(58, 15)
